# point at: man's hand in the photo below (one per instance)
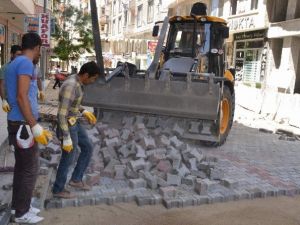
(41, 135)
(67, 144)
(5, 106)
(90, 117)
(41, 96)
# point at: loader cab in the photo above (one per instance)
(195, 41)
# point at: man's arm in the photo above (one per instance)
(23, 101)
(2, 89)
(39, 83)
(67, 97)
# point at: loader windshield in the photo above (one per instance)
(187, 40)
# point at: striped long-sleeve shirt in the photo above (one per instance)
(70, 97)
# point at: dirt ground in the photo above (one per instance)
(270, 211)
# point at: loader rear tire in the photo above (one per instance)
(225, 121)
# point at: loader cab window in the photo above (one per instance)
(181, 39)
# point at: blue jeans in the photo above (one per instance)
(79, 137)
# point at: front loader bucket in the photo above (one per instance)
(182, 99)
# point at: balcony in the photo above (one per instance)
(284, 29)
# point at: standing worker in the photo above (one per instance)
(23, 130)
(72, 133)
(15, 51)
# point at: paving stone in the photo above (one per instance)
(157, 151)
(176, 142)
(137, 164)
(151, 122)
(216, 197)
(147, 143)
(101, 127)
(216, 174)
(203, 186)
(139, 119)
(193, 164)
(172, 203)
(109, 170)
(126, 135)
(164, 166)
(194, 127)
(139, 126)
(137, 183)
(113, 142)
(155, 158)
(173, 179)
(140, 153)
(163, 141)
(178, 130)
(151, 180)
(162, 182)
(128, 122)
(199, 174)
(130, 174)
(189, 180)
(230, 183)
(157, 131)
(93, 178)
(183, 171)
(53, 148)
(94, 139)
(120, 171)
(168, 192)
(44, 170)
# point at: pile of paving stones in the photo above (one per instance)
(147, 153)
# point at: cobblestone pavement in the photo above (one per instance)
(255, 164)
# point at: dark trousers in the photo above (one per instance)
(57, 82)
(79, 137)
(25, 172)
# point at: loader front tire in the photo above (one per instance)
(225, 121)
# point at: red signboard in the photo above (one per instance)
(44, 29)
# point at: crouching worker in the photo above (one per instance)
(71, 132)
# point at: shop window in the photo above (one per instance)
(139, 15)
(102, 10)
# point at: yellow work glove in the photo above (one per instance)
(41, 135)
(41, 96)
(5, 106)
(67, 144)
(89, 116)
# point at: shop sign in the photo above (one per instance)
(151, 46)
(250, 35)
(44, 29)
(244, 23)
(31, 24)
(2, 34)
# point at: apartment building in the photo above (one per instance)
(284, 37)
(126, 27)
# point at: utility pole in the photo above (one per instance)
(44, 52)
(96, 35)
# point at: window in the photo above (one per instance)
(221, 4)
(114, 8)
(113, 28)
(102, 10)
(102, 28)
(233, 7)
(125, 18)
(139, 15)
(120, 24)
(120, 6)
(254, 4)
(150, 11)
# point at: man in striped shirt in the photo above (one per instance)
(71, 132)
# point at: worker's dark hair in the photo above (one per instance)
(30, 41)
(90, 68)
(15, 48)
(198, 9)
